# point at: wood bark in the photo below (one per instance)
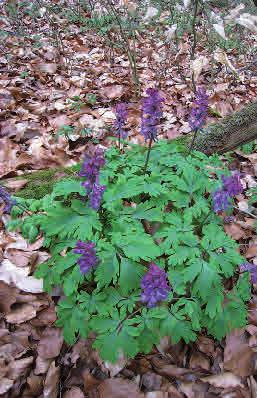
(231, 132)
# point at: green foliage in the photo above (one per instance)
(164, 216)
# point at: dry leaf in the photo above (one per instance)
(15, 185)
(118, 388)
(9, 273)
(114, 91)
(49, 68)
(221, 57)
(5, 385)
(51, 381)
(74, 392)
(8, 296)
(223, 380)
(21, 314)
(219, 27)
(235, 231)
(151, 381)
(198, 64)
(238, 355)
(50, 344)
(19, 368)
(42, 365)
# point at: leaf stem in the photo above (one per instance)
(193, 141)
(128, 317)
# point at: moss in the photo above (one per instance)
(40, 183)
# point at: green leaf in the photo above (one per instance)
(145, 211)
(177, 329)
(137, 246)
(130, 275)
(68, 186)
(68, 224)
(108, 269)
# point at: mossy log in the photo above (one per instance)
(231, 132)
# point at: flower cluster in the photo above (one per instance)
(250, 268)
(90, 170)
(6, 198)
(151, 114)
(200, 110)
(88, 260)
(121, 112)
(154, 286)
(231, 187)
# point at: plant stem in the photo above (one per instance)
(148, 155)
(194, 40)
(128, 317)
(193, 141)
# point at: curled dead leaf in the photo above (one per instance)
(21, 314)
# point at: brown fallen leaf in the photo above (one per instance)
(15, 185)
(119, 388)
(74, 392)
(19, 367)
(5, 385)
(42, 366)
(9, 273)
(238, 356)
(199, 360)
(50, 344)
(223, 380)
(35, 385)
(113, 91)
(252, 250)
(8, 296)
(52, 381)
(151, 381)
(21, 314)
(45, 318)
(49, 68)
(205, 345)
(252, 311)
(235, 231)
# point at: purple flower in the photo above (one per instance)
(154, 286)
(121, 112)
(220, 200)
(232, 184)
(96, 195)
(90, 170)
(199, 111)
(250, 268)
(88, 259)
(230, 188)
(151, 114)
(6, 198)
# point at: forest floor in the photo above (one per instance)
(43, 89)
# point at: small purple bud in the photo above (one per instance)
(154, 286)
(151, 114)
(88, 259)
(199, 112)
(121, 112)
